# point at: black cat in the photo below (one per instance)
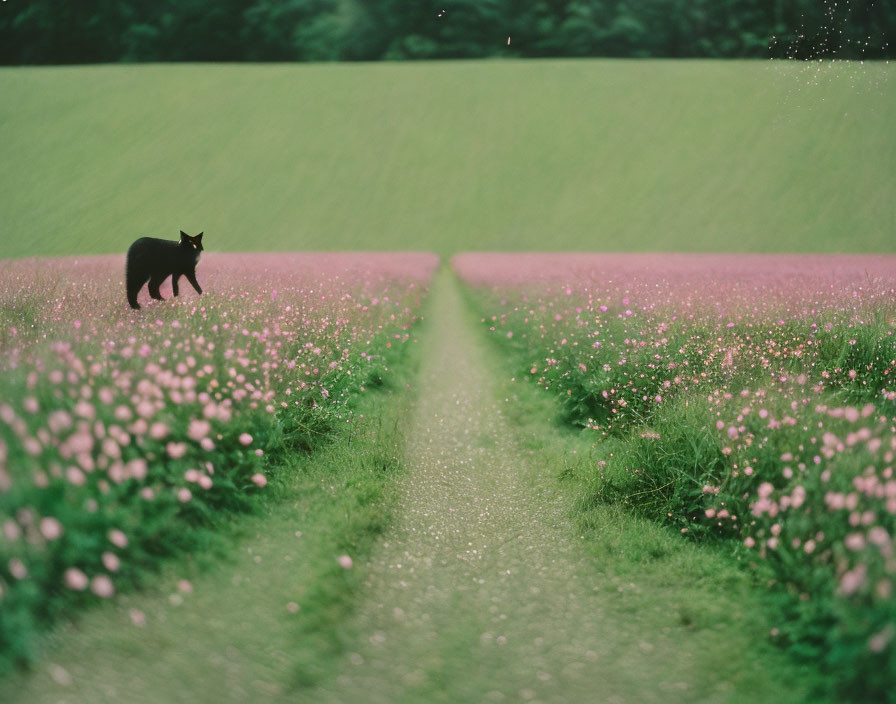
(154, 260)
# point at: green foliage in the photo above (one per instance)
(42, 31)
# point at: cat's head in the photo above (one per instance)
(192, 243)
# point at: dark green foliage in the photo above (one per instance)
(44, 31)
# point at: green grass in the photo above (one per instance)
(580, 155)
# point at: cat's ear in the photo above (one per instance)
(184, 235)
(198, 237)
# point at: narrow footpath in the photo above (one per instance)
(481, 592)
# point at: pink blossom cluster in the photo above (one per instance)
(787, 364)
(109, 416)
(828, 498)
(641, 328)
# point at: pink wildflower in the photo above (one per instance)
(102, 586)
(118, 538)
(50, 528)
(176, 450)
(75, 579)
(111, 561)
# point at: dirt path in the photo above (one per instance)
(480, 592)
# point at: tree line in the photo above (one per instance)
(92, 31)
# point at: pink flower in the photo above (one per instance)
(80, 442)
(176, 450)
(137, 468)
(245, 439)
(111, 561)
(11, 530)
(345, 562)
(852, 580)
(198, 429)
(17, 568)
(50, 528)
(102, 586)
(184, 495)
(854, 541)
(84, 409)
(59, 421)
(111, 448)
(118, 538)
(880, 640)
(259, 479)
(75, 579)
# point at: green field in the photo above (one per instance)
(489, 557)
(578, 155)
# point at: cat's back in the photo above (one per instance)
(150, 244)
(151, 249)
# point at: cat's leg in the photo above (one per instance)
(174, 289)
(154, 283)
(134, 284)
(134, 278)
(191, 277)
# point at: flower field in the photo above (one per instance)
(747, 400)
(123, 433)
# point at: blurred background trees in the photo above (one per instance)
(89, 31)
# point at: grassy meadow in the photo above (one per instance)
(594, 155)
(276, 582)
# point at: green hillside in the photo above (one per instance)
(516, 155)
